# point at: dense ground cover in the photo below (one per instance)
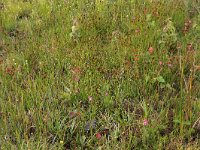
(104, 74)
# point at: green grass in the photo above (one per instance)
(108, 74)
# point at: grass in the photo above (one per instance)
(106, 74)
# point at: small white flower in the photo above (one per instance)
(26, 62)
(74, 29)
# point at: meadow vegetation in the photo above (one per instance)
(100, 74)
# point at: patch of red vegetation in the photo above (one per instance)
(76, 73)
(151, 50)
(101, 133)
(187, 26)
(10, 70)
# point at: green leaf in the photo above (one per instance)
(147, 78)
(160, 79)
(176, 121)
